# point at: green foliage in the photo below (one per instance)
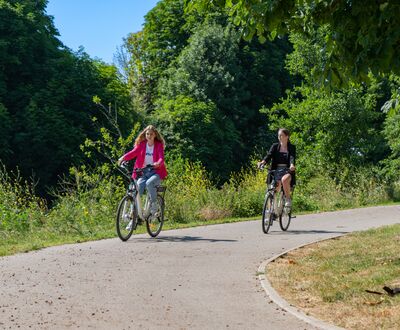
(200, 56)
(329, 129)
(149, 52)
(187, 184)
(391, 132)
(195, 130)
(46, 94)
(192, 197)
(5, 133)
(215, 67)
(88, 208)
(207, 68)
(351, 187)
(352, 48)
(20, 210)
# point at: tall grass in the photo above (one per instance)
(85, 206)
(20, 210)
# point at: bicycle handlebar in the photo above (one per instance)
(124, 166)
(261, 167)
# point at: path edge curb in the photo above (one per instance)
(282, 303)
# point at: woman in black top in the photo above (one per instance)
(283, 155)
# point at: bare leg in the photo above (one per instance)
(278, 186)
(286, 184)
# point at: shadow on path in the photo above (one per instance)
(180, 239)
(299, 232)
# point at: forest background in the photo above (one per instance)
(217, 81)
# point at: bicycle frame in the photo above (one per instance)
(277, 197)
(133, 190)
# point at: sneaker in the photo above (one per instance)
(154, 209)
(288, 202)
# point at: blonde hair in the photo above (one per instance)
(142, 135)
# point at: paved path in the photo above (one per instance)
(198, 278)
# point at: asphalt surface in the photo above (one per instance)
(197, 278)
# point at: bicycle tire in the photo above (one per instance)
(123, 231)
(267, 214)
(284, 218)
(154, 225)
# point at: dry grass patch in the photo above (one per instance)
(212, 213)
(328, 280)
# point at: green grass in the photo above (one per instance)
(329, 279)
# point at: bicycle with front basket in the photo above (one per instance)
(274, 205)
(130, 213)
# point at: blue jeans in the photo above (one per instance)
(150, 180)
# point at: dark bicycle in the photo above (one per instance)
(274, 204)
(130, 213)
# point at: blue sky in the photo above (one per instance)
(98, 25)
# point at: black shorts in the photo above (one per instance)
(279, 173)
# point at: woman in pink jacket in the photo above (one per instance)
(148, 150)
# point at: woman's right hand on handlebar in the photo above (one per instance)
(120, 160)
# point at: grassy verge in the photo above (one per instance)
(329, 279)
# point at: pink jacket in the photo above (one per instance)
(139, 152)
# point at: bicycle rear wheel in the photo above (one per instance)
(267, 214)
(126, 218)
(285, 217)
(155, 222)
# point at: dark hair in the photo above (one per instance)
(284, 131)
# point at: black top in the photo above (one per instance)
(282, 158)
(275, 155)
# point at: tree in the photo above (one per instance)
(196, 130)
(46, 94)
(151, 51)
(237, 77)
(331, 129)
(363, 34)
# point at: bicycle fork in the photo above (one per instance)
(128, 212)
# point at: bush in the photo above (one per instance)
(87, 206)
(20, 210)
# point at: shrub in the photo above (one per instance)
(20, 209)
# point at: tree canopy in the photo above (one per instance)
(362, 36)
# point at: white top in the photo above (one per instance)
(149, 155)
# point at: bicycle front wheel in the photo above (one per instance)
(284, 218)
(267, 214)
(155, 222)
(126, 218)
